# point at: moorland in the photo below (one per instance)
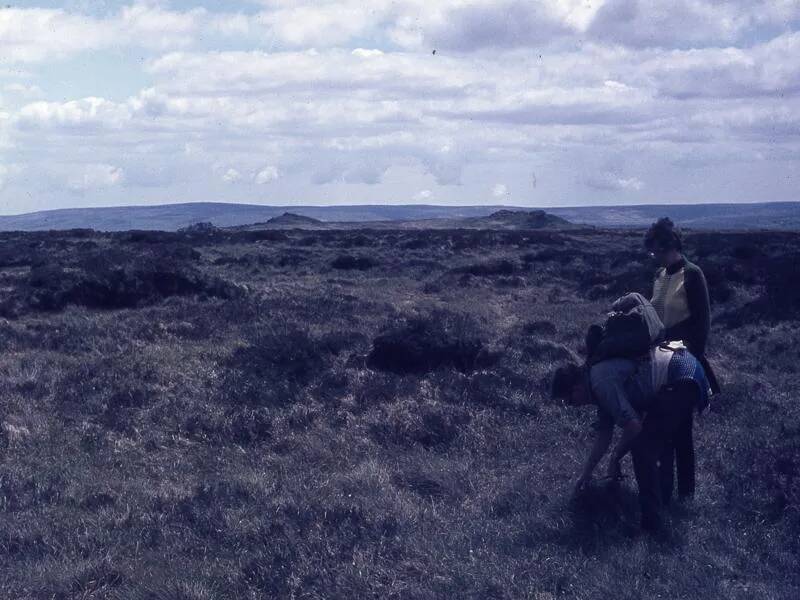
(364, 413)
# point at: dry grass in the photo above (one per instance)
(195, 448)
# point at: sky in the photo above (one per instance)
(455, 102)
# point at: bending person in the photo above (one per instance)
(648, 406)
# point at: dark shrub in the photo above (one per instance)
(422, 344)
(705, 245)
(485, 388)
(415, 243)
(50, 287)
(511, 282)
(117, 411)
(432, 287)
(721, 294)
(335, 342)
(746, 251)
(779, 299)
(291, 259)
(260, 235)
(14, 255)
(199, 228)
(86, 246)
(538, 351)
(356, 241)
(436, 427)
(308, 240)
(270, 371)
(149, 237)
(101, 284)
(245, 260)
(286, 353)
(468, 240)
(616, 285)
(548, 255)
(718, 281)
(493, 267)
(781, 293)
(539, 328)
(177, 252)
(349, 262)
(144, 283)
(77, 233)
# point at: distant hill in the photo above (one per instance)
(170, 217)
(764, 215)
(520, 219)
(288, 219)
(502, 219)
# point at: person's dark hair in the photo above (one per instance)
(564, 378)
(664, 235)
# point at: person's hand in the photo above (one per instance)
(581, 485)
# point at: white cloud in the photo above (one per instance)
(423, 196)
(369, 172)
(37, 34)
(231, 176)
(151, 25)
(763, 69)
(472, 25)
(94, 176)
(89, 112)
(349, 95)
(500, 190)
(691, 23)
(34, 34)
(365, 53)
(266, 175)
(317, 24)
(29, 35)
(610, 181)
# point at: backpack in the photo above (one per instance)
(631, 329)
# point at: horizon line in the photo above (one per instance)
(408, 204)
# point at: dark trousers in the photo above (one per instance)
(678, 452)
(664, 422)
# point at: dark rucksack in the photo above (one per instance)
(631, 329)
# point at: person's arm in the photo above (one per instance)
(699, 309)
(602, 441)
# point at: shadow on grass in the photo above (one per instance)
(598, 518)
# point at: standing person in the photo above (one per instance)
(648, 400)
(681, 300)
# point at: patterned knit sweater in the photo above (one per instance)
(680, 297)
